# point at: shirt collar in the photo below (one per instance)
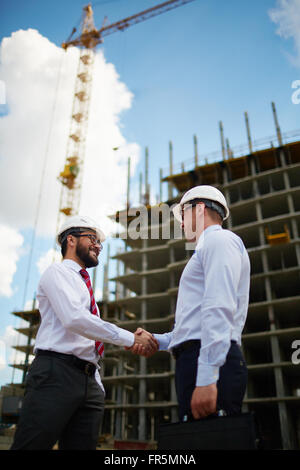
(72, 265)
(210, 228)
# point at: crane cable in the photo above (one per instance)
(40, 191)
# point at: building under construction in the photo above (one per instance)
(262, 187)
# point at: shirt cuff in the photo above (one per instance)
(126, 338)
(206, 375)
(161, 343)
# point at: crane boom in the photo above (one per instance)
(90, 39)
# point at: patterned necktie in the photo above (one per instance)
(93, 308)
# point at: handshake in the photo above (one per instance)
(144, 343)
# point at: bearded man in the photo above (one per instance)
(64, 395)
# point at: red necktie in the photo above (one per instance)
(93, 308)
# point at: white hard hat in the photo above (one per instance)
(78, 222)
(208, 193)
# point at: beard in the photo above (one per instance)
(84, 254)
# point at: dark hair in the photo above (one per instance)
(214, 215)
(213, 207)
(63, 247)
(63, 240)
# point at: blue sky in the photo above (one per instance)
(185, 70)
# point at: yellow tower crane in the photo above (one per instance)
(89, 38)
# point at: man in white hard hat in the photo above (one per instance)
(64, 395)
(212, 303)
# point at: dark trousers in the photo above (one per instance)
(231, 384)
(61, 403)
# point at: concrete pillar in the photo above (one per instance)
(222, 140)
(252, 167)
(195, 151)
(278, 131)
(173, 396)
(282, 157)
(142, 431)
(259, 217)
(262, 237)
(298, 253)
(225, 175)
(291, 211)
(290, 203)
(226, 194)
(118, 429)
(276, 356)
(285, 424)
(113, 397)
(248, 132)
(160, 185)
(172, 260)
(254, 184)
(286, 180)
(170, 185)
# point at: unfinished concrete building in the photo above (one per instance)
(262, 188)
(263, 191)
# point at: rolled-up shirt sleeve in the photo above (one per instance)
(221, 261)
(67, 304)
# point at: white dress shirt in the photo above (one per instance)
(67, 324)
(212, 300)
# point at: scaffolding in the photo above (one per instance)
(263, 192)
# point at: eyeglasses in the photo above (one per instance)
(188, 206)
(92, 238)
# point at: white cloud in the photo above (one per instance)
(10, 244)
(29, 67)
(47, 259)
(2, 355)
(286, 15)
(8, 355)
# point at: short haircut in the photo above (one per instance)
(63, 248)
(214, 215)
(213, 207)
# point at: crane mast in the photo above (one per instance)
(71, 176)
(89, 38)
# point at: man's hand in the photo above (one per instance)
(145, 344)
(204, 401)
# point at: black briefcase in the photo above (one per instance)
(220, 432)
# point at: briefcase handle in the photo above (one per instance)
(214, 415)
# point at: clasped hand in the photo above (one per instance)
(144, 343)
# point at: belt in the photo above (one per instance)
(87, 367)
(188, 345)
